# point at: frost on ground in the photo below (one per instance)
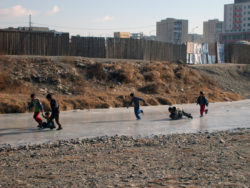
(219, 159)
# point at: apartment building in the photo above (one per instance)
(237, 16)
(172, 31)
(212, 30)
(237, 22)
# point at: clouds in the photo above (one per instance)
(54, 10)
(104, 19)
(17, 11)
(20, 11)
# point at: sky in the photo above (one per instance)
(103, 17)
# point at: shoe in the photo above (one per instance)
(40, 126)
(206, 111)
(142, 112)
(59, 128)
(201, 115)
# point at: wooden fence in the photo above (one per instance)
(51, 44)
(87, 46)
(237, 53)
(33, 43)
(144, 49)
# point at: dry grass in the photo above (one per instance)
(102, 84)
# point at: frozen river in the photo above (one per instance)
(19, 129)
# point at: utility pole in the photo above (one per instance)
(30, 22)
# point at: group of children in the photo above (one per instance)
(175, 113)
(38, 108)
(35, 103)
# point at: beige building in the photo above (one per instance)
(172, 31)
(212, 30)
(121, 35)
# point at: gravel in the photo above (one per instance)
(220, 159)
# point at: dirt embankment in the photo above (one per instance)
(230, 77)
(80, 83)
(188, 160)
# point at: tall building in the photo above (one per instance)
(172, 31)
(237, 16)
(237, 21)
(212, 30)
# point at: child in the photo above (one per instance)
(49, 124)
(203, 102)
(136, 101)
(37, 108)
(176, 113)
(55, 111)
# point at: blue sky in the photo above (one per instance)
(103, 17)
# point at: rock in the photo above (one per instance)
(222, 141)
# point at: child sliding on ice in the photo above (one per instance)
(203, 102)
(136, 101)
(48, 124)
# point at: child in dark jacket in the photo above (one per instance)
(203, 102)
(136, 101)
(54, 111)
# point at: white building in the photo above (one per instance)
(237, 17)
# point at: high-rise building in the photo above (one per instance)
(237, 16)
(212, 30)
(172, 31)
(237, 22)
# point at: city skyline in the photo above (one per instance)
(102, 18)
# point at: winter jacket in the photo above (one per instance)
(136, 101)
(201, 100)
(36, 104)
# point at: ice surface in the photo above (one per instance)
(19, 129)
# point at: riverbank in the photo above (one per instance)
(219, 159)
(88, 83)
